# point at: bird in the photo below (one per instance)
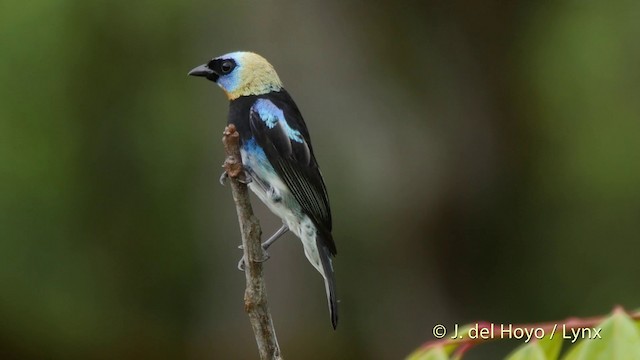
(277, 157)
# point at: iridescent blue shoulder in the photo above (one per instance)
(269, 113)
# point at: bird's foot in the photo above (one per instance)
(246, 179)
(266, 257)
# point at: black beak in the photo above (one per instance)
(204, 71)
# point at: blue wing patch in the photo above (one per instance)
(279, 130)
(272, 116)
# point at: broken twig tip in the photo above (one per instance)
(232, 164)
(230, 130)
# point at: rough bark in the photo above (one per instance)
(255, 295)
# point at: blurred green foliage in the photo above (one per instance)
(482, 160)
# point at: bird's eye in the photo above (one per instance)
(226, 66)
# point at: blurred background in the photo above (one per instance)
(482, 160)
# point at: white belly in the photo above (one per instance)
(286, 209)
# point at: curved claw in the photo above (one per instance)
(223, 178)
(265, 258)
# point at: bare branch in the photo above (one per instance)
(255, 295)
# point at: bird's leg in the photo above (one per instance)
(283, 229)
(265, 245)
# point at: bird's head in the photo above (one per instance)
(240, 74)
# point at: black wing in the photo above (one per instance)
(279, 129)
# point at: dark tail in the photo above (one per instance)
(329, 280)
